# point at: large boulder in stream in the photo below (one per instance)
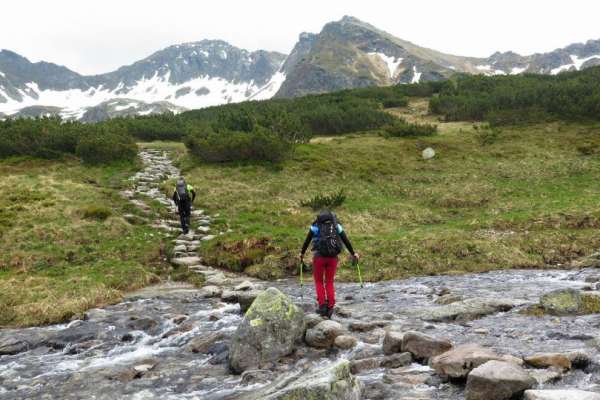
(567, 302)
(458, 362)
(497, 380)
(271, 328)
(569, 394)
(423, 347)
(12, 345)
(465, 310)
(334, 382)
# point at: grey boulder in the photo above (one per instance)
(458, 362)
(497, 380)
(422, 346)
(271, 329)
(323, 334)
(464, 310)
(392, 342)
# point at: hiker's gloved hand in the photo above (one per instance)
(355, 258)
(301, 257)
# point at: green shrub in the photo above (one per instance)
(401, 128)
(320, 202)
(397, 102)
(520, 99)
(258, 145)
(105, 148)
(487, 136)
(99, 213)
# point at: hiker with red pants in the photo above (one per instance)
(327, 236)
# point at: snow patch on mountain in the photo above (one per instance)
(416, 75)
(518, 70)
(576, 63)
(2, 74)
(391, 62)
(269, 90)
(196, 93)
(489, 70)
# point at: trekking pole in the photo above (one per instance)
(359, 274)
(302, 280)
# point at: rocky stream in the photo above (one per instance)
(442, 337)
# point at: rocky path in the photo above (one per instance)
(158, 167)
(414, 339)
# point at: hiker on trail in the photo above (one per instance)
(183, 196)
(327, 236)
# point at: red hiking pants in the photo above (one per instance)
(325, 267)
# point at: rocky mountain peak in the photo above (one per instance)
(347, 53)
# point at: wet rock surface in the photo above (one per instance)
(497, 380)
(271, 329)
(172, 342)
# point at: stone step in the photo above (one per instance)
(186, 261)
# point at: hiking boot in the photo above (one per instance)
(329, 312)
(322, 310)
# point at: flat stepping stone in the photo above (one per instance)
(208, 237)
(186, 261)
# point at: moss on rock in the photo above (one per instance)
(590, 303)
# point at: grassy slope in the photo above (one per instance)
(528, 200)
(55, 262)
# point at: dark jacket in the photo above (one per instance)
(313, 235)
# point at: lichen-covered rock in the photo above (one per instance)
(590, 303)
(334, 382)
(561, 302)
(271, 328)
(458, 362)
(422, 346)
(564, 302)
(497, 380)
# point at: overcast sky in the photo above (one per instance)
(99, 36)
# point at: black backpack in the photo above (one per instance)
(329, 243)
(182, 192)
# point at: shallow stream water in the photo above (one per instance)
(130, 350)
(142, 347)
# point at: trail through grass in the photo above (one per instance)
(527, 198)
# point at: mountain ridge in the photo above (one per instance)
(345, 54)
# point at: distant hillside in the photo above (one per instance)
(346, 54)
(350, 53)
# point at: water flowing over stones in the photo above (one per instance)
(174, 341)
